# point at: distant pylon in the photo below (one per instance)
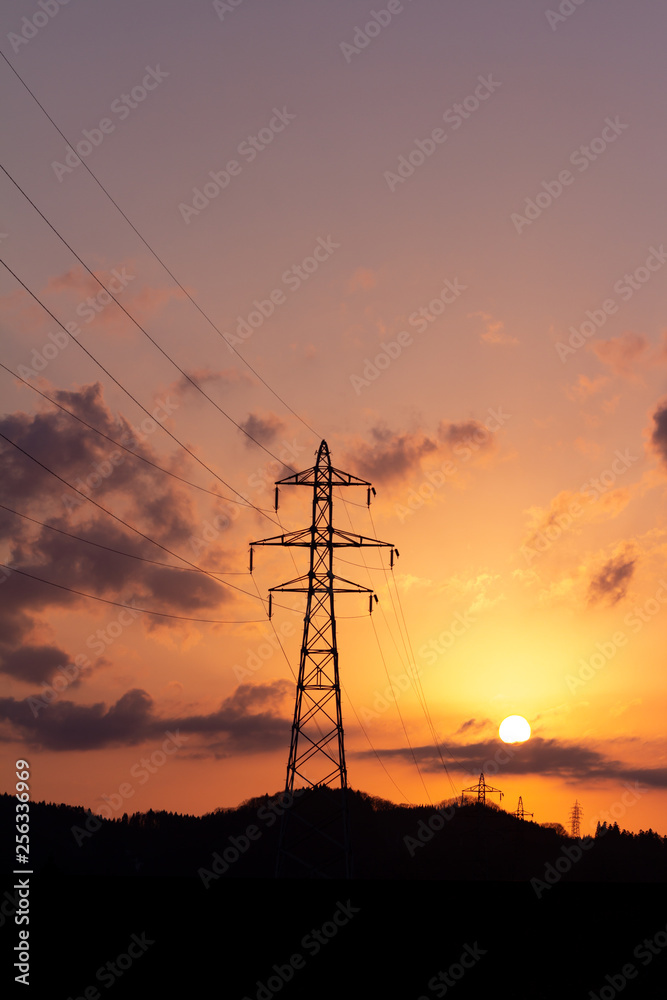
(481, 788)
(314, 835)
(575, 819)
(520, 811)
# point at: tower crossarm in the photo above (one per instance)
(310, 477)
(356, 541)
(323, 537)
(301, 537)
(304, 584)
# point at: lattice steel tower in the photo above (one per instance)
(575, 819)
(314, 836)
(520, 811)
(482, 790)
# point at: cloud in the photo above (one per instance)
(569, 511)
(247, 722)
(621, 354)
(610, 583)
(571, 762)
(471, 725)
(391, 456)
(494, 332)
(659, 435)
(34, 664)
(143, 496)
(362, 280)
(586, 387)
(263, 428)
(202, 376)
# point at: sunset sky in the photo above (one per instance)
(441, 246)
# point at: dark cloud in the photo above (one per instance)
(570, 762)
(143, 496)
(470, 725)
(611, 582)
(247, 722)
(469, 433)
(659, 435)
(33, 664)
(264, 428)
(392, 456)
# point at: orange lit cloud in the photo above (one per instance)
(622, 354)
(495, 331)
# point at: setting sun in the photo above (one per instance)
(514, 729)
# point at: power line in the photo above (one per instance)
(128, 393)
(130, 607)
(420, 692)
(380, 761)
(108, 548)
(139, 326)
(158, 258)
(118, 444)
(125, 523)
(384, 663)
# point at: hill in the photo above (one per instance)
(472, 842)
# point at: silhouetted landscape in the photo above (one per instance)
(470, 842)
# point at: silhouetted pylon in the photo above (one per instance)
(575, 819)
(314, 834)
(520, 811)
(481, 788)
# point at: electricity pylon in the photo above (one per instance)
(314, 835)
(520, 811)
(481, 788)
(575, 819)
